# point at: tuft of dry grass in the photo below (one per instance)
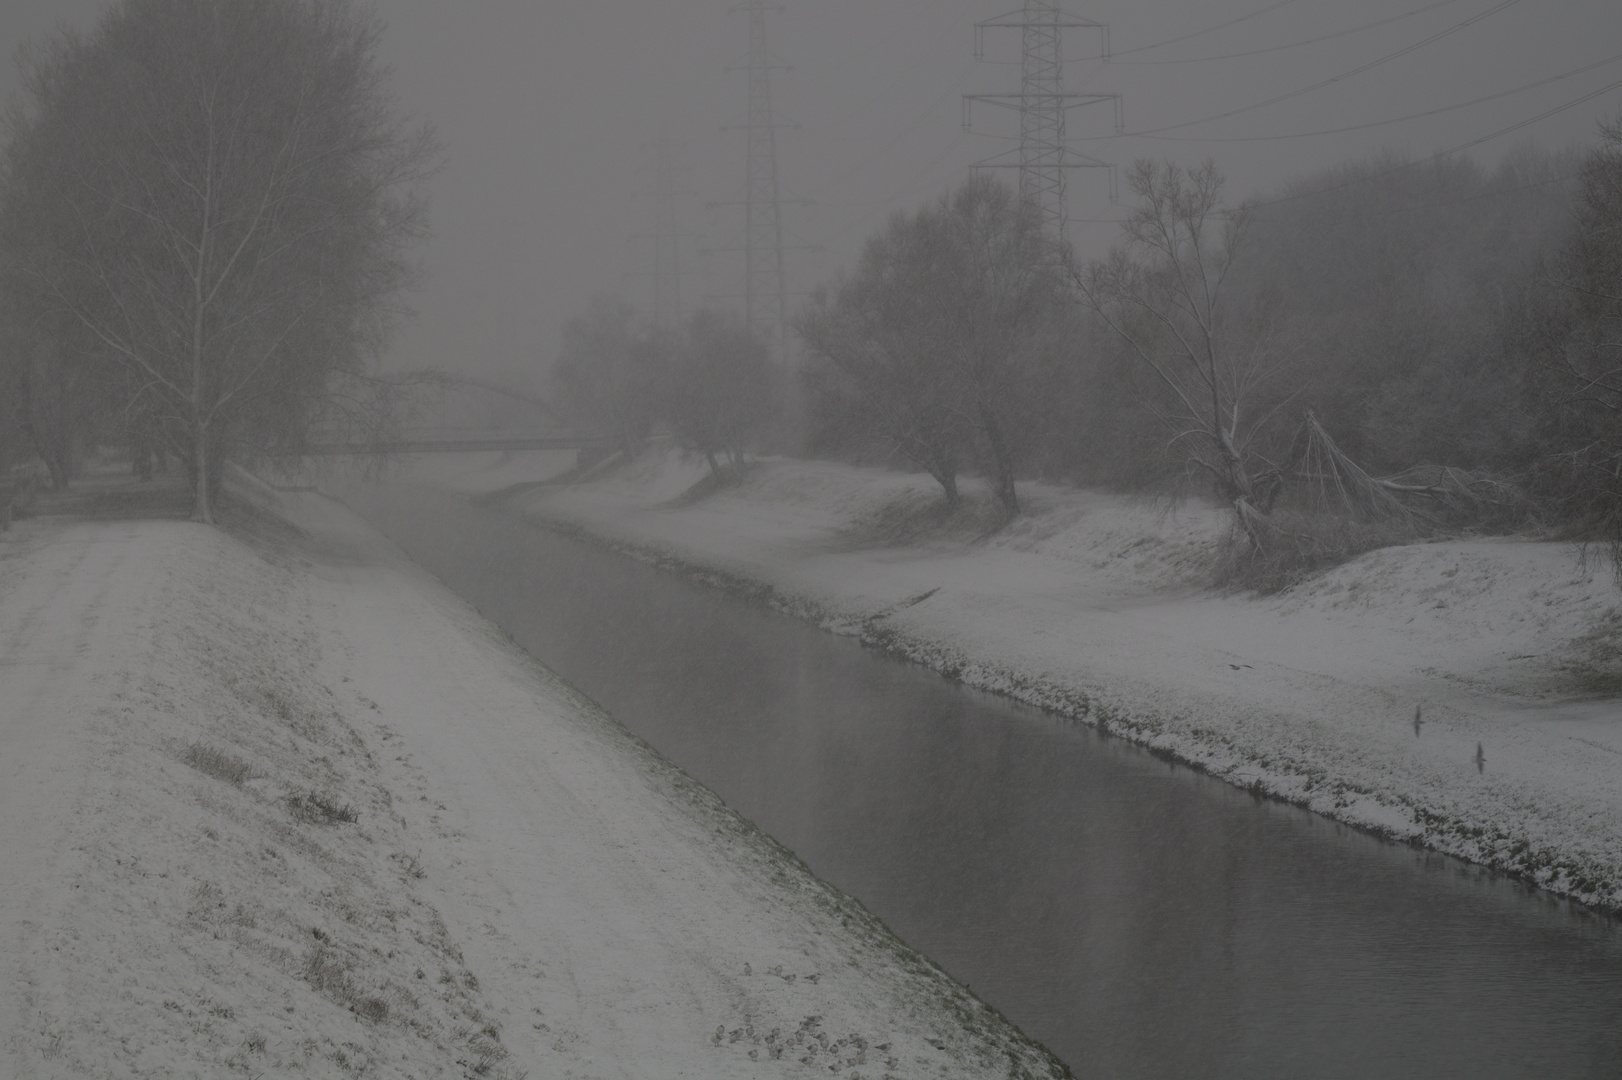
(328, 971)
(314, 808)
(410, 865)
(373, 1010)
(217, 763)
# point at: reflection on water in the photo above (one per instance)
(1140, 919)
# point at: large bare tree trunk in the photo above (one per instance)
(202, 510)
(1002, 465)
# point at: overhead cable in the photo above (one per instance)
(1359, 70)
(1388, 20)
(1395, 119)
(1208, 30)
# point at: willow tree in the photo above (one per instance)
(1582, 381)
(220, 195)
(721, 392)
(610, 372)
(1167, 293)
(936, 331)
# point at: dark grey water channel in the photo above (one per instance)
(1140, 919)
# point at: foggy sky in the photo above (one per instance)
(547, 109)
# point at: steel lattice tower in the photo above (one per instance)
(1043, 156)
(667, 309)
(765, 285)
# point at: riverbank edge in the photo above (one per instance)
(1496, 845)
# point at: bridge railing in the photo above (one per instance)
(442, 441)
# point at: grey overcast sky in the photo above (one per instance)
(547, 109)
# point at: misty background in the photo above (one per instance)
(548, 112)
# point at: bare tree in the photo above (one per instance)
(887, 377)
(1593, 362)
(1165, 291)
(935, 331)
(1582, 374)
(610, 371)
(722, 390)
(993, 278)
(220, 196)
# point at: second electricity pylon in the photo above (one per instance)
(667, 309)
(1043, 156)
(765, 286)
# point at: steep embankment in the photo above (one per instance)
(276, 802)
(1094, 605)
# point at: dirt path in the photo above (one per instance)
(70, 609)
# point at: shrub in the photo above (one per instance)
(218, 764)
(313, 808)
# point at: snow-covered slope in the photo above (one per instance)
(276, 803)
(1094, 605)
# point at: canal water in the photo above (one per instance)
(1139, 918)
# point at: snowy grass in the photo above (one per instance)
(217, 763)
(222, 926)
(329, 972)
(314, 808)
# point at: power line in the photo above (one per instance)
(1429, 204)
(1572, 104)
(1305, 41)
(1209, 29)
(667, 304)
(1440, 154)
(765, 281)
(906, 27)
(886, 92)
(911, 184)
(1361, 69)
(1395, 119)
(896, 140)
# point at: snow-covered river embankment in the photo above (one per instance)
(276, 802)
(1093, 605)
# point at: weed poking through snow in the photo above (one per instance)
(218, 764)
(313, 808)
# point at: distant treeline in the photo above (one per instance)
(1387, 349)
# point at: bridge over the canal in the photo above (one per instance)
(460, 440)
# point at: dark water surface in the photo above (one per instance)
(1140, 919)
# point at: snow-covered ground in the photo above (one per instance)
(1095, 605)
(276, 803)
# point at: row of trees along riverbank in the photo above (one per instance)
(206, 211)
(1388, 349)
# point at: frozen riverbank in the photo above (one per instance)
(277, 802)
(1093, 605)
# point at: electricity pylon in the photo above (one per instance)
(667, 309)
(667, 236)
(765, 286)
(1043, 157)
